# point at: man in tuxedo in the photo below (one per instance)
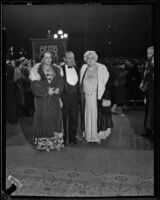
(70, 98)
(147, 86)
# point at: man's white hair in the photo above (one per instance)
(69, 53)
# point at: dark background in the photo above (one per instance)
(129, 28)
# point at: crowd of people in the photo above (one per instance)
(55, 94)
(19, 97)
(125, 78)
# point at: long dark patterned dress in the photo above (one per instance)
(47, 126)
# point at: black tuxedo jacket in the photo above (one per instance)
(69, 88)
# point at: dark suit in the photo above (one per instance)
(149, 109)
(70, 109)
(11, 89)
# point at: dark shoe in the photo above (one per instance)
(73, 141)
(64, 141)
(114, 113)
(147, 133)
(31, 112)
(84, 141)
(125, 109)
(152, 137)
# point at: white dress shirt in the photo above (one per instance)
(71, 75)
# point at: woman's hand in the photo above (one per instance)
(56, 91)
(51, 91)
(106, 103)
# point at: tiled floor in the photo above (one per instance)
(121, 165)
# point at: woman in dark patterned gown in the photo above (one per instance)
(47, 85)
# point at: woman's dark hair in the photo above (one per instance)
(42, 54)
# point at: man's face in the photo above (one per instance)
(69, 59)
(47, 59)
(150, 53)
(12, 63)
(152, 60)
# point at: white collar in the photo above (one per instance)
(68, 65)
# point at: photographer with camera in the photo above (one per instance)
(25, 104)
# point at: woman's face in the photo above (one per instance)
(13, 63)
(91, 60)
(47, 59)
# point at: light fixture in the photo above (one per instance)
(49, 32)
(60, 35)
(29, 3)
(60, 32)
(65, 35)
(55, 36)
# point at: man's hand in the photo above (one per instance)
(61, 103)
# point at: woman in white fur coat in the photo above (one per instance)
(96, 119)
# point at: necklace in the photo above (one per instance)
(91, 68)
(47, 69)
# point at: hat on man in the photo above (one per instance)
(21, 59)
(7, 61)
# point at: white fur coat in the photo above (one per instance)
(35, 76)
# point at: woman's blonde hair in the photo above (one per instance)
(88, 53)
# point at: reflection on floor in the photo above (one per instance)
(122, 165)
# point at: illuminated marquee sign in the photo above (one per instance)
(53, 49)
(56, 47)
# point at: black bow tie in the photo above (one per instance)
(70, 67)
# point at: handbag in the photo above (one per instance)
(104, 117)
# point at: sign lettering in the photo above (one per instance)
(52, 48)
